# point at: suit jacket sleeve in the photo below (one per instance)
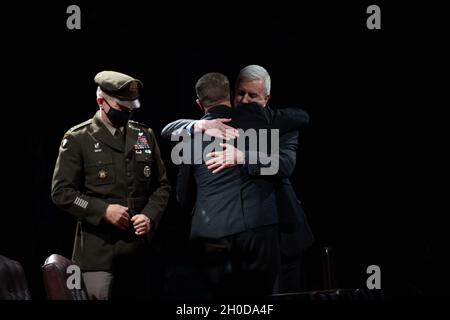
(185, 181)
(186, 186)
(67, 184)
(288, 121)
(160, 187)
(286, 157)
(174, 128)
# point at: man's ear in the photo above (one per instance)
(267, 100)
(200, 105)
(100, 102)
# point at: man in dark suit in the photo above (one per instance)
(253, 85)
(232, 207)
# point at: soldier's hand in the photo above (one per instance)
(118, 216)
(216, 128)
(141, 224)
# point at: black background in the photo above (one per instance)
(363, 172)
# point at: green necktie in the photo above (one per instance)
(120, 136)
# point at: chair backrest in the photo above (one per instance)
(55, 276)
(13, 283)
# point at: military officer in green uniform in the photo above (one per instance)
(109, 174)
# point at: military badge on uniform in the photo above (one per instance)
(141, 142)
(97, 147)
(147, 171)
(102, 174)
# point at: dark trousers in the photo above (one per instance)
(138, 276)
(291, 277)
(242, 265)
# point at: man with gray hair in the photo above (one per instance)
(253, 84)
(110, 176)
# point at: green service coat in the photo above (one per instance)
(95, 169)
